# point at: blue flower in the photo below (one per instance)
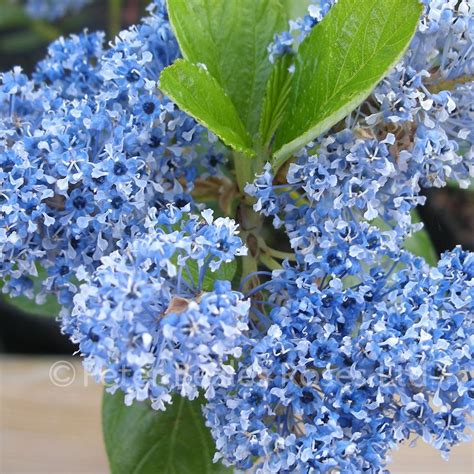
(97, 161)
(142, 320)
(80, 203)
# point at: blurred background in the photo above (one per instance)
(34, 411)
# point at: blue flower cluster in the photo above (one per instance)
(52, 10)
(145, 321)
(351, 346)
(364, 344)
(353, 327)
(428, 97)
(87, 146)
(346, 372)
(346, 181)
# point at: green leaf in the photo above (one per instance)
(339, 64)
(140, 440)
(231, 38)
(225, 272)
(197, 93)
(421, 245)
(276, 99)
(49, 308)
(191, 273)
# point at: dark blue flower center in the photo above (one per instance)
(79, 202)
(117, 202)
(120, 169)
(63, 270)
(133, 76)
(181, 203)
(307, 397)
(149, 107)
(222, 245)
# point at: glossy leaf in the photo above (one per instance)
(339, 64)
(140, 440)
(197, 93)
(231, 38)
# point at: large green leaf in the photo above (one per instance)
(339, 64)
(197, 93)
(231, 38)
(140, 440)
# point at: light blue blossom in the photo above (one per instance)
(83, 159)
(345, 373)
(142, 320)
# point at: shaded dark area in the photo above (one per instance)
(449, 218)
(30, 334)
(24, 40)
